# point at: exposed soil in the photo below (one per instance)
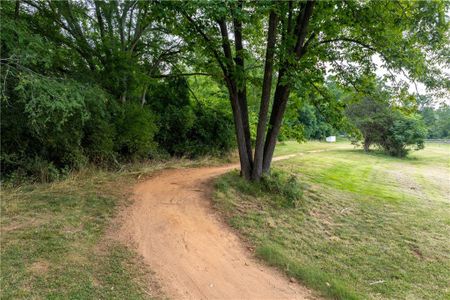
(193, 254)
(39, 267)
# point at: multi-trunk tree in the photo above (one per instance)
(120, 45)
(277, 46)
(304, 41)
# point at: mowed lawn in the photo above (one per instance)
(367, 225)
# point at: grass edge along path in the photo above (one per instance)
(57, 239)
(388, 244)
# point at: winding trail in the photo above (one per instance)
(193, 254)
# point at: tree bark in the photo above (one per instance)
(242, 88)
(366, 145)
(123, 97)
(283, 88)
(246, 167)
(17, 10)
(276, 117)
(265, 97)
(245, 159)
(144, 93)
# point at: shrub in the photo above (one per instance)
(136, 129)
(99, 131)
(186, 129)
(282, 189)
(60, 125)
(389, 128)
(175, 123)
(169, 100)
(287, 186)
(404, 131)
(43, 125)
(212, 132)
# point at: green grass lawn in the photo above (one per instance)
(367, 225)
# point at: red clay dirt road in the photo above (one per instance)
(193, 254)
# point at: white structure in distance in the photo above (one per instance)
(331, 139)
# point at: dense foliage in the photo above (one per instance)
(437, 121)
(61, 111)
(107, 81)
(299, 42)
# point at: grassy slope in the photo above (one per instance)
(55, 242)
(369, 226)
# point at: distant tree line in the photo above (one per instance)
(437, 121)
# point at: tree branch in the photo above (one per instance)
(226, 47)
(206, 39)
(350, 40)
(302, 25)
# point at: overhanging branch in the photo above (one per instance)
(350, 40)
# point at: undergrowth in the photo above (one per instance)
(286, 188)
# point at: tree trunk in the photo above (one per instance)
(246, 167)
(265, 98)
(123, 97)
(276, 118)
(17, 10)
(143, 96)
(366, 145)
(242, 90)
(283, 89)
(236, 106)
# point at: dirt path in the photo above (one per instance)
(194, 255)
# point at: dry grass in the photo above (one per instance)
(58, 238)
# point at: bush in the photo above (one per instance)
(136, 129)
(284, 185)
(99, 131)
(212, 132)
(175, 123)
(186, 129)
(44, 123)
(60, 125)
(404, 131)
(169, 99)
(53, 126)
(389, 128)
(282, 189)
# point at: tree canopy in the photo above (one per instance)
(78, 66)
(305, 41)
